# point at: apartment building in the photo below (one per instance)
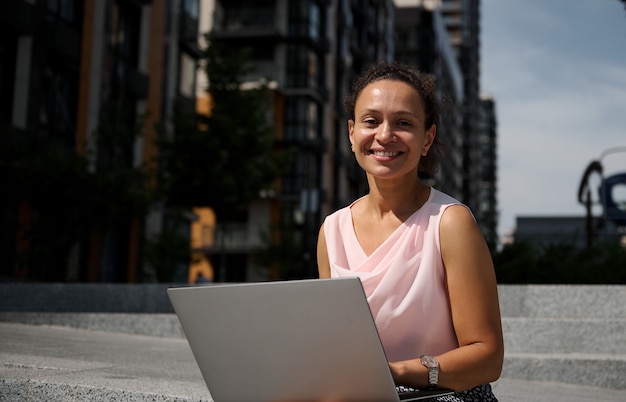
(310, 51)
(63, 64)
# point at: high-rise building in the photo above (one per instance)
(469, 172)
(462, 21)
(421, 39)
(487, 207)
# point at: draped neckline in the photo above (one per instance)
(392, 235)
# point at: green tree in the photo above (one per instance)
(50, 181)
(525, 262)
(223, 160)
(226, 159)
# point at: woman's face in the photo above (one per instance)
(387, 133)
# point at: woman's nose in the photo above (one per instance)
(385, 133)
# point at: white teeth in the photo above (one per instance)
(385, 153)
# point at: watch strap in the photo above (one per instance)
(433, 370)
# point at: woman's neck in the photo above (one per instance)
(401, 198)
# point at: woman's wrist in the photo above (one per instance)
(410, 373)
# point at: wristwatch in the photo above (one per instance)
(433, 370)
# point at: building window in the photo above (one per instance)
(124, 27)
(304, 68)
(191, 8)
(303, 175)
(240, 14)
(306, 19)
(302, 117)
(297, 60)
(315, 25)
(187, 81)
(62, 9)
(302, 128)
(293, 182)
(188, 27)
(57, 112)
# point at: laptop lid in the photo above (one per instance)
(307, 340)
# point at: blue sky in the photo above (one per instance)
(557, 70)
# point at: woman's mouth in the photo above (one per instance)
(385, 153)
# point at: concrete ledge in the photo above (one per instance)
(565, 335)
(161, 325)
(582, 301)
(597, 370)
(85, 297)
(587, 301)
(592, 301)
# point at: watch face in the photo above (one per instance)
(429, 361)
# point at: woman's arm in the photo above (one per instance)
(323, 264)
(473, 295)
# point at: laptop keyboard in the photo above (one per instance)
(412, 394)
(406, 392)
(403, 388)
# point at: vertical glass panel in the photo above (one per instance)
(67, 10)
(191, 8)
(312, 120)
(187, 83)
(314, 21)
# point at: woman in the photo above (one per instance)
(424, 265)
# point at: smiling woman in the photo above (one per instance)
(423, 263)
(388, 133)
(421, 82)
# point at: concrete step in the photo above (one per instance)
(565, 335)
(596, 370)
(560, 301)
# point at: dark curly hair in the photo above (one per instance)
(424, 84)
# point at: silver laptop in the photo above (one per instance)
(307, 340)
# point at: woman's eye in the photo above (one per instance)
(404, 123)
(370, 122)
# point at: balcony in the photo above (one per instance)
(249, 22)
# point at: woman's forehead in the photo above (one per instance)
(389, 93)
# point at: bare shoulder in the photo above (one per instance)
(457, 217)
(462, 243)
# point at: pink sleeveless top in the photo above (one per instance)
(404, 279)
